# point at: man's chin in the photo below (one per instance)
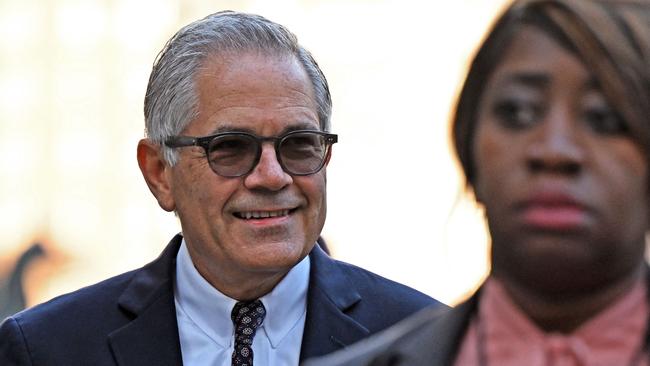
(278, 255)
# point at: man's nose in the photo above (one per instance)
(268, 173)
(556, 145)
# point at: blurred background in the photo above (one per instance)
(73, 74)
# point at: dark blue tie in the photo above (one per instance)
(246, 317)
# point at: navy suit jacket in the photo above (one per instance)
(130, 319)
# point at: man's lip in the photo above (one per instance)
(554, 211)
(261, 214)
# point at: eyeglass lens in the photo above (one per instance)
(235, 155)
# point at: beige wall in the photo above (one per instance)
(72, 79)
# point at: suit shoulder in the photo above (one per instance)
(85, 306)
(381, 348)
(13, 349)
(94, 294)
(75, 328)
(78, 320)
(380, 288)
(429, 337)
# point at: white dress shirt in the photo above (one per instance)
(205, 328)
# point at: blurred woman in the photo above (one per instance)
(552, 129)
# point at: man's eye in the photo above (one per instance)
(605, 121)
(516, 114)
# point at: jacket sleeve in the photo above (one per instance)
(13, 349)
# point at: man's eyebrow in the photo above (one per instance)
(300, 126)
(227, 127)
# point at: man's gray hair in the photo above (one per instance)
(171, 101)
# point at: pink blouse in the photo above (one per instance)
(613, 337)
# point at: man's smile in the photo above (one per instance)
(247, 215)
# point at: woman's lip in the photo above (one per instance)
(554, 210)
(554, 217)
(552, 198)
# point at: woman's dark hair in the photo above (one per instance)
(611, 37)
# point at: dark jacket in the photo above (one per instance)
(130, 319)
(430, 337)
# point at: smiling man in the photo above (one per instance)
(237, 114)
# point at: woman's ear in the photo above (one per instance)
(156, 172)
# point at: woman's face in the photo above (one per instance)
(563, 184)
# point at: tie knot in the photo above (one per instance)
(247, 317)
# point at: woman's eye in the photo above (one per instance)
(604, 120)
(516, 114)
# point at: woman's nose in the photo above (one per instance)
(555, 146)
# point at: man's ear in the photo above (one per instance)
(156, 172)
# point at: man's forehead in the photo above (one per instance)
(255, 88)
(231, 61)
(251, 72)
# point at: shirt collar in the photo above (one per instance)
(617, 330)
(286, 304)
(210, 309)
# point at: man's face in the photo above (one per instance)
(266, 96)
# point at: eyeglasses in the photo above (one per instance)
(234, 154)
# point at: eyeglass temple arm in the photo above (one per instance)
(180, 141)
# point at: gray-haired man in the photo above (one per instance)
(237, 119)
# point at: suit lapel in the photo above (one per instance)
(151, 338)
(330, 296)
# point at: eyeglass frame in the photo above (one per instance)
(174, 142)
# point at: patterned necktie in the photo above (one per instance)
(247, 317)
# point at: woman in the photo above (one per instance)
(552, 129)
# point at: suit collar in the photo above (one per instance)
(151, 338)
(327, 276)
(330, 297)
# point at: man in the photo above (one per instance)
(236, 117)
